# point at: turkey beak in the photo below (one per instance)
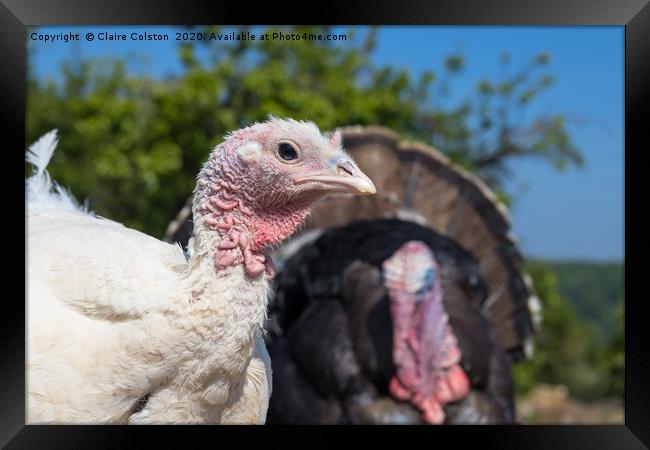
(348, 178)
(353, 179)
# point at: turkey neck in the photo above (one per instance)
(241, 216)
(221, 316)
(228, 294)
(227, 277)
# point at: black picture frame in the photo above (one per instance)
(634, 15)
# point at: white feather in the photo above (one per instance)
(40, 152)
(41, 191)
(114, 314)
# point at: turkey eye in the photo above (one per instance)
(287, 152)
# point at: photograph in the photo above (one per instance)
(308, 224)
(334, 225)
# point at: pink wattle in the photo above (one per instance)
(230, 208)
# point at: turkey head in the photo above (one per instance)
(260, 185)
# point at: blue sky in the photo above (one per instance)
(575, 214)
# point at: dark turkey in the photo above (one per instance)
(332, 354)
(347, 346)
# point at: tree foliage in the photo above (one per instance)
(568, 350)
(133, 144)
(595, 292)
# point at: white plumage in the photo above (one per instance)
(103, 332)
(122, 328)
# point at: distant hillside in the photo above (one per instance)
(594, 289)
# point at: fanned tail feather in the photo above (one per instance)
(41, 191)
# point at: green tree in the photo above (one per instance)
(133, 144)
(594, 289)
(613, 356)
(567, 348)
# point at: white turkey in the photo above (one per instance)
(404, 307)
(123, 328)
